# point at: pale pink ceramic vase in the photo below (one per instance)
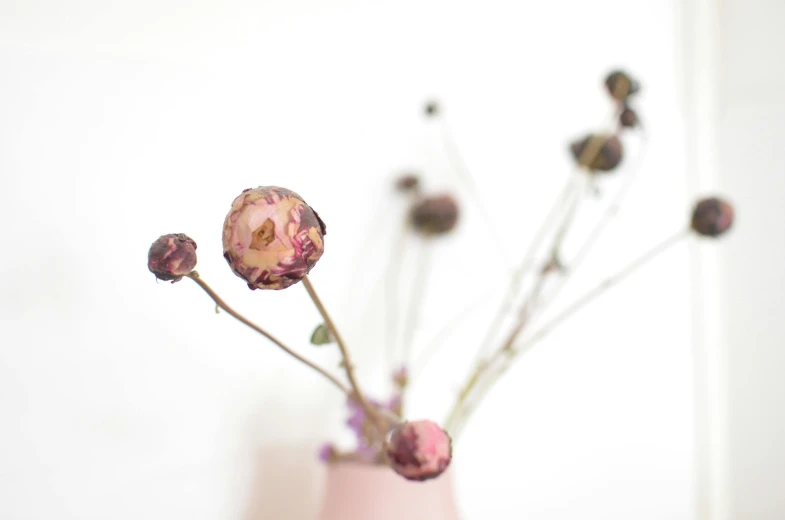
(363, 492)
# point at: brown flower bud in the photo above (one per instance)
(435, 215)
(431, 109)
(620, 85)
(628, 118)
(419, 450)
(712, 217)
(272, 238)
(598, 152)
(172, 256)
(407, 183)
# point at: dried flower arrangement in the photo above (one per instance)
(272, 239)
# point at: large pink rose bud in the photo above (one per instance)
(419, 450)
(172, 256)
(605, 152)
(272, 238)
(712, 217)
(435, 215)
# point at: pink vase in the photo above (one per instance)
(364, 492)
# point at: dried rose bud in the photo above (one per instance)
(407, 183)
(620, 85)
(628, 118)
(172, 256)
(419, 450)
(272, 238)
(712, 217)
(435, 215)
(598, 152)
(431, 109)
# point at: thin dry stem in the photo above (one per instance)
(347, 362)
(242, 319)
(502, 363)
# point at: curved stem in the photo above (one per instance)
(609, 213)
(391, 292)
(347, 362)
(415, 303)
(503, 363)
(528, 261)
(193, 275)
(458, 164)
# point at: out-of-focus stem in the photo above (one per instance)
(245, 321)
(501, 363)
(347, 362)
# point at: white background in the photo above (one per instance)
(123, 398)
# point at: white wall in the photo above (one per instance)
(123, 398)
(750, 120)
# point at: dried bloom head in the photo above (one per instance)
(435, 215)
(419, 450)
(628, 118)
(712, 217)
(431, 109)
(172, 256)
(407, 183)
(598, 152)
(272, 238)
(620, 85)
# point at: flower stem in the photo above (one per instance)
(193, 275)
(347, 362)
(417, 298)
(466, 406)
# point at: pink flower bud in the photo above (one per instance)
(272, 238)
(435, 215)
(172, 256)
(712, 217)
(419, 450)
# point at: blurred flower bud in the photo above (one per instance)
(419, 450)
(400, 377)
(407, 183)
(598, 152)
(620, 85)
(628, 118)
(272, 238)
(431, 109)
(172, 256)
(435, 215)
(712, 217)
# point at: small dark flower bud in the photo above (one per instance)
(712, 217)
(431, 109)
(172, 256)
(628, 118)
(407, 183)
(419, 450)
(598, 152)
(435, 215)
(620, 85)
